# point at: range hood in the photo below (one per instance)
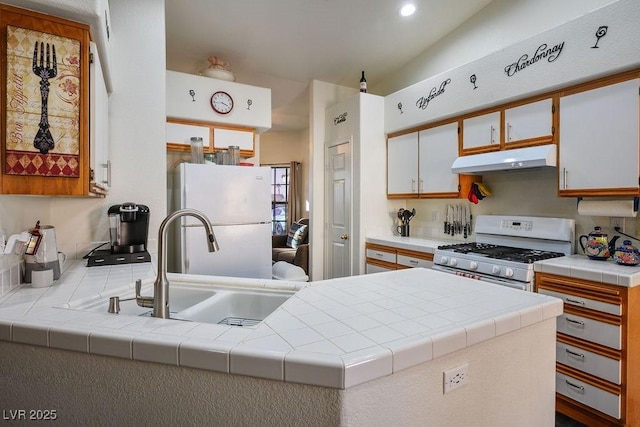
(520, 158)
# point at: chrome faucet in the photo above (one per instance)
(160, 300)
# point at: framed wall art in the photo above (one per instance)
(44, 96)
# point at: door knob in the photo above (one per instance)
(344, 237)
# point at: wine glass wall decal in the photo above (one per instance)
(193, 95)
(600, 33)
(473, 79)
(249, 102)
(400, 107)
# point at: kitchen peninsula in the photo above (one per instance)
(360, 350)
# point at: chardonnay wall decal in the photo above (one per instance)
(544, 51)
(600, 33)
(341, 118)
(423, 102)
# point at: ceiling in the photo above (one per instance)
(285, 44)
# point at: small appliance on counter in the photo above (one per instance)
(128, 230)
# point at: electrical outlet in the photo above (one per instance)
(455, 378)
(617, 222)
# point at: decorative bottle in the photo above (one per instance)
(363, 84)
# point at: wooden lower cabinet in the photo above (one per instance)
(380, 258)
(597, 350)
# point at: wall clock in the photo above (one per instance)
(222, 102)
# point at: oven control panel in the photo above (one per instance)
(517, 225)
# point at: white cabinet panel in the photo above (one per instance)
(402, 164)
(438, 150)
(373, 268)
(594, 397)
(590, 330)
(528, 121)
(414, 262)
(589, 362)
(180, 134)
(223, 138)
(599, 128)
(381, 255)
(481, 131)
(580, 301)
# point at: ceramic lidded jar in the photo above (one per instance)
(627, 254)
(596, 244)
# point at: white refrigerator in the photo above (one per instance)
(237, 201)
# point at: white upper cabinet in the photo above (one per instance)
(529, 123)
(402, 164)
(598, 144)
(438, 151)
(481, 131)
(189, 97)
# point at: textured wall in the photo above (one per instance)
(512, 382)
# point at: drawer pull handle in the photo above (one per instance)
(573, 353)
(575, 322)
(413, 261)
(379, 254)
(574, 301)
(577, 387)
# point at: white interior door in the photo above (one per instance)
(338, 197)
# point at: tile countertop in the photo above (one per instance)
(580, 267)
(411, 243)
(335, 333)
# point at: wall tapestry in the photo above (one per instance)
(43, 104)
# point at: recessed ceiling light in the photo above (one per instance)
(408, 9)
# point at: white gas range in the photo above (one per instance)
(506, 247)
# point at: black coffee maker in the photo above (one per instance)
(128, 230)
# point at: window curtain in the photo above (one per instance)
(294, 211)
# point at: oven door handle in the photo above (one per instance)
(481, 277)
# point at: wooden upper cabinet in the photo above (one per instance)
(513, 126)
(481, 133)
(45, 107)
(599, 140)
(529, 124)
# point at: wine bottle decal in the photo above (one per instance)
(363, 84)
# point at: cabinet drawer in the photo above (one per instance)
(381, 255)
(589, 395)
(591, 330)
(414, 261)
(375, 268)
(569, 299)
(589, 362)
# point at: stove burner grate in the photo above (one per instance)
(507, 253)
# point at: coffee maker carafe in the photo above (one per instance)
(128, 228)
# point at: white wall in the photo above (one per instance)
(137, 135)
(128, 392)
(500, 24)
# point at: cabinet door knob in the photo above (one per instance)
(344, 236)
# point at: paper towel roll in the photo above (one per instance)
(621, 208)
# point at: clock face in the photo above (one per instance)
(221, 102)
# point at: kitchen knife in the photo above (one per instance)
(466, 222)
